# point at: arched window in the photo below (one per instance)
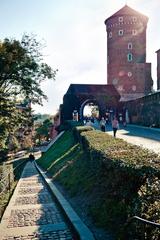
(120, 19)
(129, 74)
(129, 57)
(134, 32)
(130, 45)
(110, 34)
(120, 32)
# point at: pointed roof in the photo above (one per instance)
(126, 10)
(158, 51)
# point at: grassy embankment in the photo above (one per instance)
(114, 179)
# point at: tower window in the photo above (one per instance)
(129, 57)
(120, 19)
(134, 32)
(129, 74)
(129, 45)
(120, 32)
(110, 34)
(134, 88)
(115, 81)
(134, 19)
(120, 88)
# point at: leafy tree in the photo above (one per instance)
(21, 73)
(43, 132)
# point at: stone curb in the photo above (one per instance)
(51, 143)
(81, 229)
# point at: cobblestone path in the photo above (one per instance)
(32, 212)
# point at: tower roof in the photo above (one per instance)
(158, 51)
(127, 11)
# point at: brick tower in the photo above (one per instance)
(158, 69)
(126, 54)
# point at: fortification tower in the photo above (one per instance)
(126, 54)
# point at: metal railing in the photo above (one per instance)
(143, 231)
(144, 221)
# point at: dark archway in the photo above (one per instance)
(78, 95)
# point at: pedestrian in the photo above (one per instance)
(103, 124)
(31, 157)
(115, 126)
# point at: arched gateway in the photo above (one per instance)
(77, 96)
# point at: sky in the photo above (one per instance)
(75, 38)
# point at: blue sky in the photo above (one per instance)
(75, 37)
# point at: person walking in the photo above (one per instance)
(103, 124)
(31, 157)
(115, 126)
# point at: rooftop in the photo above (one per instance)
(126, 10)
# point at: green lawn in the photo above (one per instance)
(58, 153)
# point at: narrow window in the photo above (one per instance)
(129, 57)
(120, 32)
(134, 32)
(134, 19)
(129, 74)
(129, 45)
(134, 88)
(110, 34)
(120, 19)
(115, 81)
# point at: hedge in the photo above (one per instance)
(130, 179)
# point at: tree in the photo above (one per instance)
(43, 131)
(21, 73)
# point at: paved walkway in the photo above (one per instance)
(145, 137)
(32, 212)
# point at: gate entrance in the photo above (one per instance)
(89, 109)
(98, 98)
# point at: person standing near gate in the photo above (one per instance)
(103, 124)
(115, 126)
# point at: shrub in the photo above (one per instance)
(129, 177)
(68, 125)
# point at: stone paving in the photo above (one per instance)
(32, 212)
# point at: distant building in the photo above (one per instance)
(158, 69)
(53, 129)
(126, 54)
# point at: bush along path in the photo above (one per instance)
(113, 180)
